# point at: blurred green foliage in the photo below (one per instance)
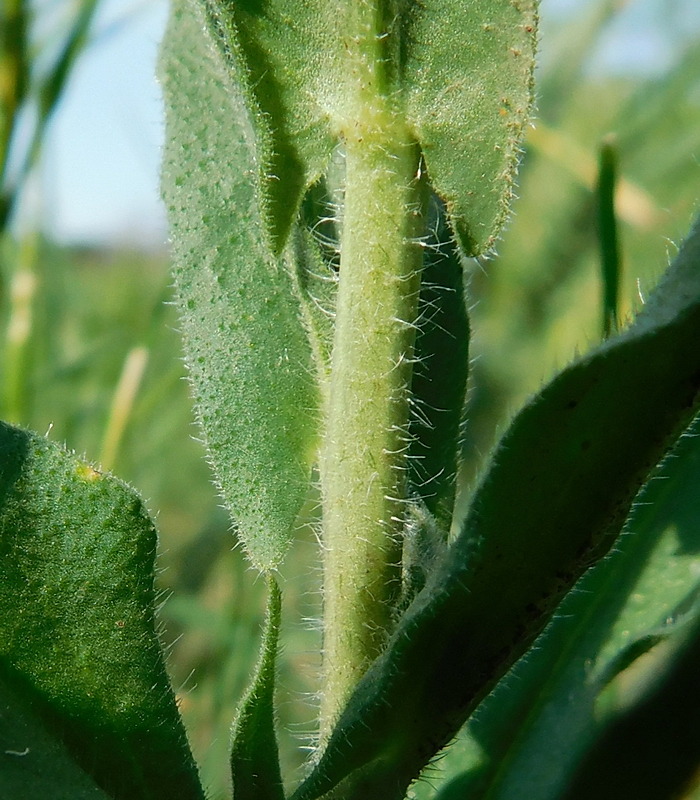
(90, 352)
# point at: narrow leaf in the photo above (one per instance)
(249, 360)
(254, 757)
(595, 433)
(607, 236)
(77, 608)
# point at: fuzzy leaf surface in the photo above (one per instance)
(254, 756)
(636, 598)
(595, 432)
(467, 72)
(458, 72)
(77, 608)
(248, 356)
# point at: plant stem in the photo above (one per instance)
(363, 458)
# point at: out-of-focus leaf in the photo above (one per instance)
(254, 758)
(249, 360)
(595, 432)
(77, 623)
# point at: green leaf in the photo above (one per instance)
(77, 608)
(249, 360)
(439, 385)
(275, 51)
(626, 605)
(651, 752)
(594, 432)
(452, 82)
(33, 762)
(254, 757)
(470, 84)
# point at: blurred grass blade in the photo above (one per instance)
(17, 354)
(594, 432)
(77, 619)
(14, 69)
(254, 758)
(122, 404)
(248, 356)
(49, 91)
(607, 236)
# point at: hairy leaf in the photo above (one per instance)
(33, 762)
(249, 360)
(439, 385)
(451, 81)
(595, 433)
(470, 84)
(254, 759)
(636, 598)
(77, 609)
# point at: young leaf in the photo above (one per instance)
(77, 608)
(249, 361)
(254, 760)
(595, 433)
(455, 82)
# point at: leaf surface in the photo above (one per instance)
(467, 72)
(631, 601)
(77, 608)
(254, 756)
(595, 432)
(457, 72)
(247, 353)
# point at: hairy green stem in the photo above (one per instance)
(363, 460)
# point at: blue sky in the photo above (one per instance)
(99, 180)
